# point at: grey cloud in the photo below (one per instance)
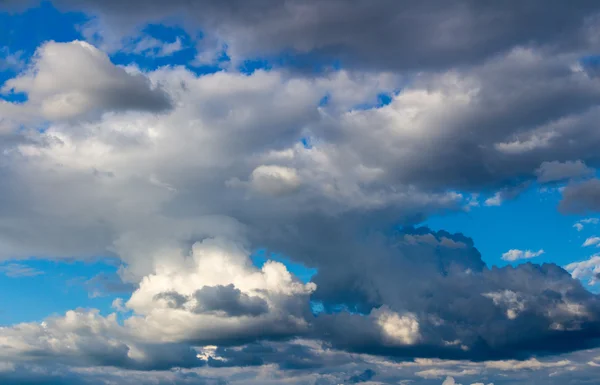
(446, 290)
(578, 198)
(219, 298)
(229, 300)
(106, 283)
(384, 34)
(561, 171)
(365, 376)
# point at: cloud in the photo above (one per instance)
(275, 180)
(365, 376)
(11, 60)
(472, 32)
(579, 225)
(152, 47)
(516, 254)
(581, 197)
(508, 299)
(586, 270)
(159, 191)
(591, 241)
(17, 270)
(530, 364)
(558, 171)
(72, 80)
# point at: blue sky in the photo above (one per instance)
(186, 187)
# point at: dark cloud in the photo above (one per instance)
(365, 376)
(226, 299)
(549, 172)
(382, 34)
(581, 197)
(463, 308)
(229, 300)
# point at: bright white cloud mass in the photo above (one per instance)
(367, 120)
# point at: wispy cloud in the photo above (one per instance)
(17, 270)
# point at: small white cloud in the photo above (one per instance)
(496, 200)
(516, 254)
(398, 329)
(592, 241)
(588, 221)
(275, 180)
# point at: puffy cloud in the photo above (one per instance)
(182, 198)
(516, 254)
(275, 180)
(71, 80)
(216, 296)
(586, 270)
(451, 295)
(560, 171)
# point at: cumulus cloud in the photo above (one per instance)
(586, 270)
(71, 80)
(184, 197)
(275, 180)
(516, 254)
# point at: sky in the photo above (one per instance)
(299, 192)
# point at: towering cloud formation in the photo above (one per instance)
(182, 176)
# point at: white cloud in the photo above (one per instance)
(71, 80)
(275, 180)
(398, 329)
(516, 254)
(495, 200)
(586, 270)
(580, 224)
(591, 241)
(530, 364)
